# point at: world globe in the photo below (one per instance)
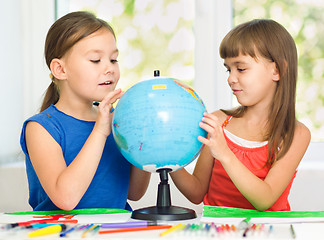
(156, 124)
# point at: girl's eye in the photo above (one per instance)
(95, 61)
(113, 60)
(241, 69)
(228, 70)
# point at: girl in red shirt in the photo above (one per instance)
(252, 152)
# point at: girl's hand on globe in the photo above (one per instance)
(215, 139)
(104, 118)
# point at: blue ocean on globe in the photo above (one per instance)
(156, 124)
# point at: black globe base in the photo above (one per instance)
(163, 209)
(171, 213)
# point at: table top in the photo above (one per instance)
(198, 228)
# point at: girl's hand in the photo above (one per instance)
(104, 118)
(215, 139)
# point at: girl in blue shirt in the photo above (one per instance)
(71, 158)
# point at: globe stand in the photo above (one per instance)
(163, 209)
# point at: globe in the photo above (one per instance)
(156, 124)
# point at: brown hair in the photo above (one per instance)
(272, 41)
(61, 37)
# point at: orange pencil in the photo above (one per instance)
(135, 229)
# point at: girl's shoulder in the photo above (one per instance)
(302, 130)
(220, 115)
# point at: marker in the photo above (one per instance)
(270, 229)
(244, 223)
(48, 230)
(63, 233)
(40, 225)
(246, 231)
(96, 229)
(172, 229)
(193, 228)
(233, 228)
(84, 226)
(135, 229)
(186, 229)
(129, 224)
(292, 230)
(28, 223)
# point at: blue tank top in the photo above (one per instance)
(109, 187)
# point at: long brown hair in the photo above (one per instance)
(273, 42)
(61, 37)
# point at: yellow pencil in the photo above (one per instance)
(172, 229)
(48, 230)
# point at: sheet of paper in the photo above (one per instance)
(262, 220)
(103, 218)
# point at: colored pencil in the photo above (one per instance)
(91, 227)
(129, 224)
(135, 229)
(174, 228)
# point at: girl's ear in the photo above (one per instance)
(275, 75)
(57, 69)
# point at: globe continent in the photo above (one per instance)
(156, 124)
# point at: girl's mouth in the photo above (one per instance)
(106, 83)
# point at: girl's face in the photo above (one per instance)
(91, 67)
(253, 81)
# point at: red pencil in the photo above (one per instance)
(135, 229)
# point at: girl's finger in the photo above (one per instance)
(206, 127)
(116, 96)
(112, 97)
(211, 130)
(210, 115)
(210, 122)
(211, 118)
(203, 140)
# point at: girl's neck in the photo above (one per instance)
(251, 126)
(82, 111)
(257, 118)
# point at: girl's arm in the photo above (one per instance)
(261, 194)
(65, 185)
(138, 183)
(194, 187)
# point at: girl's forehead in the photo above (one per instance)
(101, 40)
(245, 59)
(241, 58)
(101, 34)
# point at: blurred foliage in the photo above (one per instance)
(304, 19)
(129, 7)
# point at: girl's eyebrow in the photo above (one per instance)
(101, 51)
(235, 63)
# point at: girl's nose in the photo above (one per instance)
(109, 68)
(231, 79)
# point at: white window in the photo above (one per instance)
(25, 74)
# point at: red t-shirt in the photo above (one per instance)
(223, 192)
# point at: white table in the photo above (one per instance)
(308, 228)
